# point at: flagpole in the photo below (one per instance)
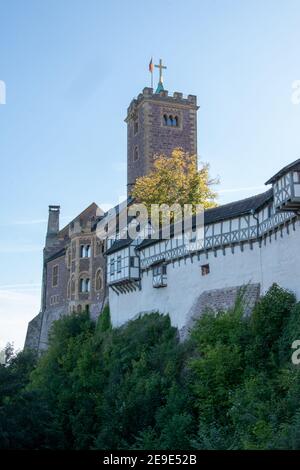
(151, 70)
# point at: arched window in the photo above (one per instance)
(72, 285)
(136, 126)
(99, 280)
(170, 120)
(85, 251)
(85, 285)
(69, 289)
(79, 309)
(135, 154)
(68, 258)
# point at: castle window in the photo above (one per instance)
(54, 300)
(205, 270)
(135, 127)
(55, 276)
(159, 273)
(99, 281)
(69, 290)
(73, 249)
(85, 285)
(132, 261)
(119, 264)
(72, 285)
(68, 258)
(270, 211)
(85, 251)
(297, 176)
(135, 154)
(170, 120)
(79, 309)
(112, 267)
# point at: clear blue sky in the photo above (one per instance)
(71, 68)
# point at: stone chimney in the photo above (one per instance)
(53, 225)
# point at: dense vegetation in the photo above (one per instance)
(232, 385)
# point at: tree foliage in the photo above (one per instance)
(232, 385)
(176, 179)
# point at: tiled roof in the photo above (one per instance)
(295, 164)
(119, 245)
(227, 211)
(237, 208)
(216, 214)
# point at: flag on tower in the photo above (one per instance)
(151, 66)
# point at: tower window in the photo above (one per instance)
(136, 127)
(135, 154)
(170, 120)
(55, 276)
(99, 282)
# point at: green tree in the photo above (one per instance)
(176, 179)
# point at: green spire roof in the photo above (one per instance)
(160, 87)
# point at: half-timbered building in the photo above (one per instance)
(251, 243)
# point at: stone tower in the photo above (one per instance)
(156, 124)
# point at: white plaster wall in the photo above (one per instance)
(277, 261)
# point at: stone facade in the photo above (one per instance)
(156, 124)
(70, 255)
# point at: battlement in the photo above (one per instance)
(163, 96)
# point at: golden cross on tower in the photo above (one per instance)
(160, 66)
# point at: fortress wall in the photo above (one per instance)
(276, 260)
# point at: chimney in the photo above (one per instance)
(53, 221)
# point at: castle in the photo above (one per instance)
(253, 242)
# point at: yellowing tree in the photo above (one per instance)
(176, 179)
